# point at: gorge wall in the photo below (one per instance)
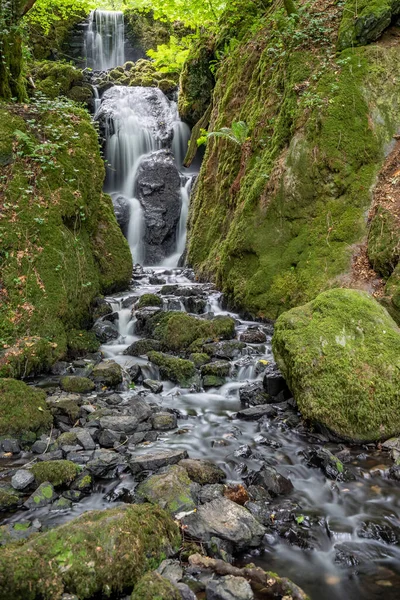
(278, 219)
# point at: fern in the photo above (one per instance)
(238, 133)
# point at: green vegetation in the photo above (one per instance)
(23, 410)
(176, 369)
(56, 472)
(101, 552)
(149, 300)
(76, 385)
(237, 133)
(154, 587)
(171, 490)
(340, 355)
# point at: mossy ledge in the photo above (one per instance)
(102, 552)
(61, 246)
(340, 355)
(274, 223)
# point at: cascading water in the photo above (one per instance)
(105, 38)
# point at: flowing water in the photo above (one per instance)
(338, 540)
(104, 42)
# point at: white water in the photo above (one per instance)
(135, 230)
(105, 39)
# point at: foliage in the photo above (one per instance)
(238, 133)
(170, 58)
(193, 13)
(47, 12)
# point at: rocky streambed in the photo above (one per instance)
(185, 409)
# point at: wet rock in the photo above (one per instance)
(164, 421)
(85, 439)
(202, 471)
(9, 497)
(73, 495)
(135, 373)
(83, 483)
(105, 464)
(269, 478)
(156, 460)
(185, 591)
(394, 473)
(123, 424)
(226, 520)
(210, 381)
(171, 490)
(380, 531)
(330, 464)
(253, 335)
(393, 445)
(171, 570)
(253, 394)
(43, 496)
(108, 438)
(243, 451)
(169, 289)
(139, 409)
(218, 368)
(173, 304)
(228, 350)
(158, 191)
(143, 325)
(61, 504)
(57, 472)
(175, 369)
(156, 387)
(107, 373)
(114, 399)
(10, 446)
(142, 347)
(229, 588)
(105, 331)
(77, 385)
(211, 492)
(275, 384)
(122, 211)
(194, 305)
(256, 412)
(155, 280)
(22, 479)
(39, 447)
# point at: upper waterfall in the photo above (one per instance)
(105, 40)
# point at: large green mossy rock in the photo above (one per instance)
(23, 409)
(76, 250)
(57, 472)
(176, 369)
(100, 553)
(340, 355)
(364, 21)
(155, 587)
(171, 490)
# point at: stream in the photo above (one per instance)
(334, 534)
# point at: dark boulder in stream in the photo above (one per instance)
(158, 190)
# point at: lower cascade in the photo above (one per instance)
(174, 424)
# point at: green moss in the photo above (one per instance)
(57, 472)
(365, 20)
(149, 300)
(199, 359)
(219, 368)
(155, 587)
(75, 249)
(76, 385)
(318, 127)
(9, 498)
(66, 439)
(384, 243)
(175, 369)
(22, 409)
(170, 490)
(68, 407)
(81, 342)
(102, 552)
(340, 356)
(56, 78)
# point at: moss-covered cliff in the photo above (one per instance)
(275, 220)
(60, 243)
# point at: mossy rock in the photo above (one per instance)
(340, 355)
(107, 373)
(155, 587)
(364, 21)
(76, 385)
(197, 81)
(220, 368)
(23, 409)
(175, 369)
(80, 93)
(167, 85)
(171, 490)
(9, 498)
(149, 300)
(56, 78)
(384, 242)
(66, 439)
(57, 472)
(100, 553)
(199, 359)
(81, 342)
(202, 471)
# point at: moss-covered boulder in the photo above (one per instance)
(23, 409)
(108, 373)
(56, 78)
(100, 553)
(57, 472)
(170, 490)
(76, 250)
(202, 471)
(155, 587)
(77, 385)
(175, 369)
(81, 342)
(340, 355)
(9, 498)
(149, 300)
(274, 219)
(364, 21)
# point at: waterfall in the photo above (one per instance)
(105, 39)
(180, 142)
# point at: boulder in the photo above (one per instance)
(57, 472)
(175, 369)
(122, 211)
(275, 483)
(142, 347)
(105, 331)
(227, 521)
(80, 385)
(253, 335)
(141, 536)
(158, 187)
(124, 424)
(340, 355)
(155, 587)
(229, 587)
(154, 461)
(22, 479)
(253, 394)
(202, 471)
(23, 410)
(164, 421)
(107, 373)
(43, 496)
(156, 387)
(170, 490)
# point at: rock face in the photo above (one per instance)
(340, 355)
(122, 211)
(158, 190)
(364, 21)
(226, 520)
